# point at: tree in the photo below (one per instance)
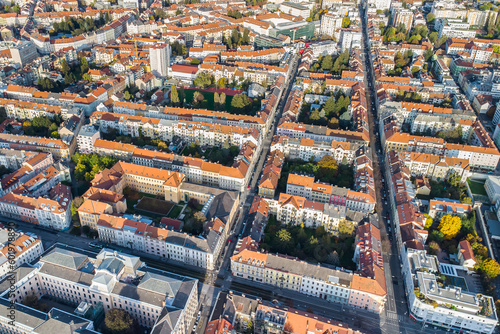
(333, 123)
(329, 105)
(434, 248)
(284, 236)
(450, 226)
(327, 63)
(428, 54)
(203, 80)
(346, 229)
(222, 83)
(315, 115)
(490, 268)
(430, 18)
(240, 102)
(199, 217)
(126, 95)
(246, 37)
(346, 22)
(65, 69)
(333, 258)
(197, 98)
(174, 95)
(440, 41)
(428, 222)
(249, 328)
(327, 166)
(118, 321)
(433, 37)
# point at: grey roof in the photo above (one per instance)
(67, 273)
(61, 322)
(302, 268)
(65, 258)
(204, 189)
(221, 206)
(102, 278)
(160, 284)
(127, 259)
(133, 292)
(113, 265)
(21, 272)
(164, 324)
(26, 316)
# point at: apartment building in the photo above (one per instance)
(470, 312)
(454, 28)
(86, 138)
(17, 248)
(300, 185)
(53, 212)
(265, 56)
(314, 280)
(112, 280)
(204, 133)
(320, 133)
(330, 24)
(290, 209)
(433, 166)
(11, 159)
(305, 149)
(56, 147)
(440, 207)
(478, 157)
(33, 164)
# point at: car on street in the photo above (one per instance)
(94, 245)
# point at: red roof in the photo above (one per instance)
(191, 69)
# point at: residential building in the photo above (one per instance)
(17, 248)
(314, 280)
(159, 58)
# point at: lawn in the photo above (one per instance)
(153, 205)
(174, 213)
(208, 102)
(477, 187)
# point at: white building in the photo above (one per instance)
(18, 247)
(295, 9)
(454, 28)
(350, 39)
(445, 306)
(154, 298)
(330, 23)
(86, 138)
(380, 4)
(159, 58)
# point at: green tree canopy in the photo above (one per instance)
(118, 321)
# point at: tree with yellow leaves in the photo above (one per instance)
(450, 226)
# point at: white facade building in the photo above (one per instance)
(159, 58)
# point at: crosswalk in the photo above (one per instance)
(391, 316)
